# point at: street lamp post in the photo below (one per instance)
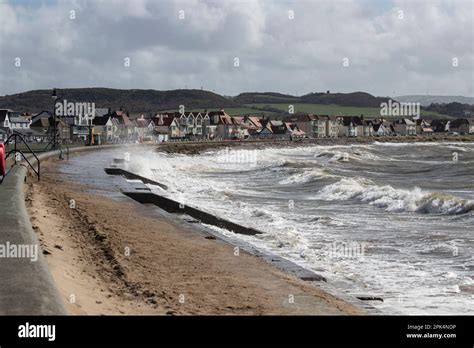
(55, 97)
(91, 134)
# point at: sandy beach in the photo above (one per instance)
(111, 256)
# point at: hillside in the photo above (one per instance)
(452, 109)
(426, 100)
(138, 101)
(134, 100)
(265, 97)
(360, 99)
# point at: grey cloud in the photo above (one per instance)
(386, 54)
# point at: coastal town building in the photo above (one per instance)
(105, 128)
(423, 127)
(462, 126)
(43, 123)
(5, 115)
(332, 127)
(379, 129)
(304, 123)
(351, 126)
(368, 128)
(4, 133)
(320, 126)
(404, 126)
(168, 123)
(316, 126)
(440, 126)
(19, 122)
(117, 126)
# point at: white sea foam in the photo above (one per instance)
(307, 175)
(257, 198)
(393, 199)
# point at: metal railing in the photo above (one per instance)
(18, 153)
(54, 144)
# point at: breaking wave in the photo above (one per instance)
(395, 200)
(305, 177)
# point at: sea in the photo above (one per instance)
(388, 220)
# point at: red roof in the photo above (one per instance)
(164, 119)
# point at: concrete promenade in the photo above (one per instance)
(26, 285)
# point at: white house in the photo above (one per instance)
(368, 128)
(19, 122)
(351, 126)
(105, 127)
(332, 127)
(380, 129)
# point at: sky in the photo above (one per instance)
(386, 48)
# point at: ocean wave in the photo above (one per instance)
(305, 177)
(292, 164)
(395, 200)
(449, 249)
(351, 154)
(261, 213)
(421, 143)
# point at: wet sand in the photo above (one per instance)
(120, 257)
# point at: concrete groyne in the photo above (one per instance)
(172, 206)
(133, 176)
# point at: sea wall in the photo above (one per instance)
(26, 284)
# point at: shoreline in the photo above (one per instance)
(170, 268)
(191, 148)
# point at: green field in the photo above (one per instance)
(231, 111)
(322, 109)
(318, 109)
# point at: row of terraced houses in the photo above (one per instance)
(220, 125)
(117, 126)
